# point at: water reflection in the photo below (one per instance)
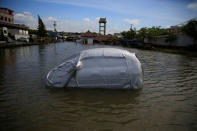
(167, 101)
(97, 95)
(7, 56)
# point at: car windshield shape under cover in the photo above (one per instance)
(98, 68)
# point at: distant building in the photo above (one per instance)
(88, 37)
(102, 26)
(118, 35)
(71, 36)
(175, 29)
(6, 15)
(102, 39)
(93, 38)
(9, 29)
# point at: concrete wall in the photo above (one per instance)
(18, 33)
(86, 40)
(13, 31)
(18, 36)
(90, 40)
(182, 41)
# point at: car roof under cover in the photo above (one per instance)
(104, 52)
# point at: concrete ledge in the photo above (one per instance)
(18, 44)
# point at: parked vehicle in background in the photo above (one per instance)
(4, 31)
(23, 39)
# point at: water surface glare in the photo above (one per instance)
(167, 102)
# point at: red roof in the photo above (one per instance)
(101, 38)
(7, 9)
(88, 34)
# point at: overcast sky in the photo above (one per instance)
(83, 15)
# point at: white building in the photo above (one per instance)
(14, 31)
(88, 37)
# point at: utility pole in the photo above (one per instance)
(131, 27)
(55, 30)
(54, 26)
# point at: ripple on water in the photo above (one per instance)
(166, 102)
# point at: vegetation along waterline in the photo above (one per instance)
(152, 38)
(181, 40)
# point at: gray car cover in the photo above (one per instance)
(61, 75)
(99, 68)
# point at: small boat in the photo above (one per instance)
(98, 68)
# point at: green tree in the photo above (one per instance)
(150, 33)
(33, 31)
(41, 28)
(155, 31)
(142, 34)
(171, 38)
(190, 29)
(129, 34)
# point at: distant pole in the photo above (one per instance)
(131, 27)
(54, 26)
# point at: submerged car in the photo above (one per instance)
(98, 68)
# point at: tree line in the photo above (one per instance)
(152, 33)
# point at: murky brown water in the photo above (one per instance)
(168, 100)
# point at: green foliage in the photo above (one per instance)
(149, 33)
(94, 33)
(32, 31)
(142, 34)
(171, 38)
(190, 29)
(155, 31)
(129, 34)
(41, 28)
(113, 39)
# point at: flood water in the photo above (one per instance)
(167, 102)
